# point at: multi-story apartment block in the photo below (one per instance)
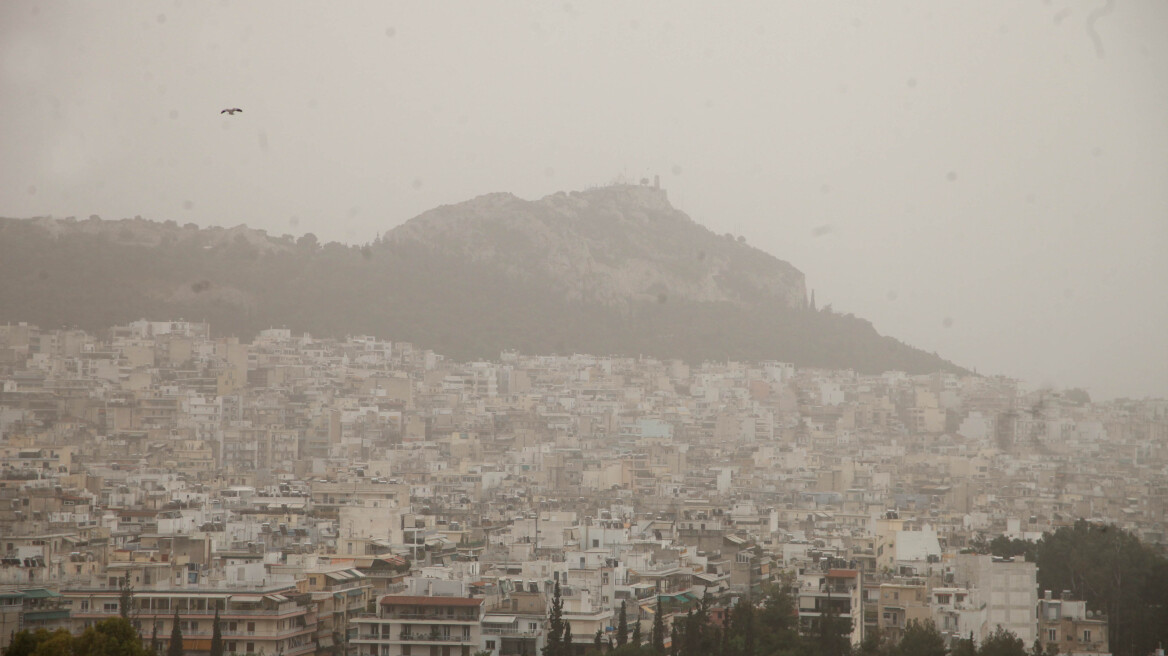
(1006, 588)
(415, 625)
(836, 593)
(1067, 626)
(899, 603)
(256, 620)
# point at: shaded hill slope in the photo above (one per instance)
(611, 271)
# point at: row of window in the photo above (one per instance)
(1052, 635)
(434, 650)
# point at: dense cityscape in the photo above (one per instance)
(363, 497)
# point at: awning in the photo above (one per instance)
(195, 595)
(247, 599)
(325, 641)
(279, 598)
(498, 619)
(45, 615)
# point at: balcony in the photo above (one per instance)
(508, 632)
(415, 638)
(432, 637)
(432, 617)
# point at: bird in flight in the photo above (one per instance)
(231, 111)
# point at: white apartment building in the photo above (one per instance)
(414, 625)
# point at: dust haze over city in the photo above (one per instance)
(679, 307)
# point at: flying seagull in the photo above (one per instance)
(231, 111)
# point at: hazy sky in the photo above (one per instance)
(987, 179)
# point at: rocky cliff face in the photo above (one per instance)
(608, 245)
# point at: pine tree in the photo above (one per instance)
(1002, 642)
(175, 648)
(724, 635)
(216, 636)
(922, 639)
(965, 647)
(622, 627)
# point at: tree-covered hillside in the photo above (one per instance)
(398, 289)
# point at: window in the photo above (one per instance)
(595, 543)
(405, 650)
(1086, 635)
(490, 645)
(232, 646)
(1052, 635)
(250, 647)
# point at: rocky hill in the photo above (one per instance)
(613, 270)
(610, 245)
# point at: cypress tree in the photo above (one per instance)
(216, 636)
(175, 648)
(597, 645)
(125, 598)
(657, 637)
(622, 627)
(154, 644)
(691, 641)
(566, 644)
(636, 639)
(555, 634)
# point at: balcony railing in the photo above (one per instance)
(433, 637)
(439, 617)
(508, 632)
